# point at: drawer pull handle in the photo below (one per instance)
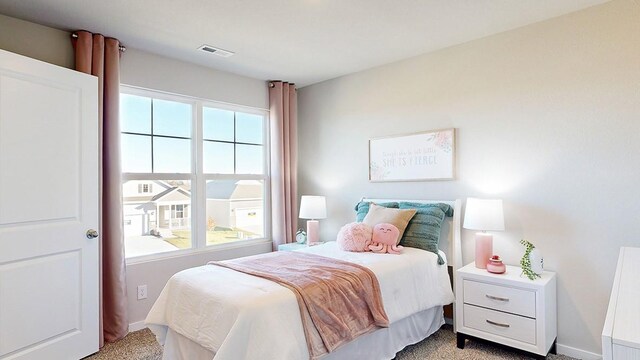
(497, 298)
(498, 324)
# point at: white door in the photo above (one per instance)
(48, 201)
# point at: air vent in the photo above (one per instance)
(215, 51)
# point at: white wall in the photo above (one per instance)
(151, 71)
(548, 119)
(146, 70)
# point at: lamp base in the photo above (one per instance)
(313, 232)
(484, 249)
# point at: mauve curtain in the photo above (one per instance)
(283, 119)
(100, 56)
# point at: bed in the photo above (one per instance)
(212, 312)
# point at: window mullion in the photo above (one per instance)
(266, 140)
(156, 176)
(152, 160)
(200, 201)
(235, 138)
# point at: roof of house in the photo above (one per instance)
(220, 189)
(169, 191)
(234, 189)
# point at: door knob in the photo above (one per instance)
(92, 234)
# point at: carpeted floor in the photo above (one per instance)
(138, 345)
(142, 345)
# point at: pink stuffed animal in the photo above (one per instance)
(354, 237)
(385, 239)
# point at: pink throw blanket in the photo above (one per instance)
(338, 300)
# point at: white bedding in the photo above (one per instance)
(239, 316)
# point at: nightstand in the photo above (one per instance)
(507, 308)
(291, 246)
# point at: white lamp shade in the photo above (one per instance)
(313, 207)
(484, 215)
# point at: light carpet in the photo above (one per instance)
(142, 345)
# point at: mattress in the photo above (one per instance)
(239, 316)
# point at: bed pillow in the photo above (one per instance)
(397, 217)
(354, 237)
(423, 231)
(362, 208)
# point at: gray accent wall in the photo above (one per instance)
(137, 68)
(36, 41)
(547, 119)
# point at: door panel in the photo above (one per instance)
(54, 300)
(48, 200)
(45, 144)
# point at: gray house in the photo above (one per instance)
(155, 207)
(236, 204)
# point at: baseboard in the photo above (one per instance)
(138, 325)
(577, 353)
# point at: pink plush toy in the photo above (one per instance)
(354, 237)
(385, 239)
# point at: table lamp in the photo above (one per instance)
(484, 215)
(313, 208)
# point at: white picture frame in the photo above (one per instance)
(423, 156)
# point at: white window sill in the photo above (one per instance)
(192, 251)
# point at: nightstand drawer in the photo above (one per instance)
(498, 323)
(502, 298)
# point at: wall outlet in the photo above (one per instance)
(142, 292)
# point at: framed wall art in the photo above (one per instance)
(423, 156)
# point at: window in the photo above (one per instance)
(178, 211)
(194, 173)
(237, 137)
(144, 188)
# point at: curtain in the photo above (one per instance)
(283, 119)
(100, 56)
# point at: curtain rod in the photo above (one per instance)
(272, 85)
(121, 47)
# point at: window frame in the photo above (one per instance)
(198, 178)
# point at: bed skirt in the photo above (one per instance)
(381, 344)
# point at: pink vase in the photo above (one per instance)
(484, 249)
(495, 265)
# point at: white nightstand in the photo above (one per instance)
(507, 309)
(296, 246)
(291, 246)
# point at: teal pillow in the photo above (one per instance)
(362, 208)
(423, 231)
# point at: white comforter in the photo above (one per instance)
(239, 316)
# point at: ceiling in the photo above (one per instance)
(301, 41)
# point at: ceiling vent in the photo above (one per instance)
(215, 51)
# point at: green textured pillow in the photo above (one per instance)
(423, 231)
(362, 208)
